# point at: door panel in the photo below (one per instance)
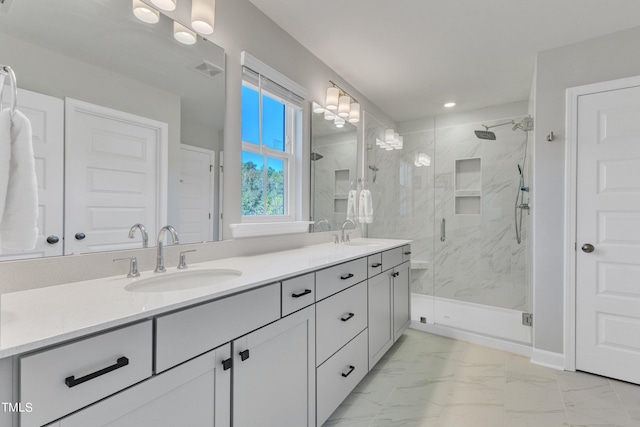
(47, 125)
(115, 177)
(608, 218)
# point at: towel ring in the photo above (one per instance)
(5, 69)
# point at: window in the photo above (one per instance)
(271, 134)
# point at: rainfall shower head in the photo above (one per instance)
(485, 134)
(316, 156)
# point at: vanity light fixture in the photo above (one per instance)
(145, 13)
(202, 15)
(339, 99)
(339, 122)
(328, 115)
(317, 108)
(183, 34)
(449, 104)
(168, 5)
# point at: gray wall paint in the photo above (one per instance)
(604, 58)
(241, 26)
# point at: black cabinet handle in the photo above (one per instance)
(396, 274)
(306, 292)
(244, 355)
(376, 265)
(349, 316)
(348, 276)
(227, 364)
(351, 369)
(80, 236)
(72, 381)
(53, 239)
(408, 253)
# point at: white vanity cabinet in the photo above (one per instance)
(195, 393)
(274, 374)
(401, 299)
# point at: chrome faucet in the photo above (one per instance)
(174, 235)
(343, 238)
(323, 221)
(143, 231)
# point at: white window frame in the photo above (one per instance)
(293, 140)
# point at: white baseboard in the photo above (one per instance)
(548, 359)
(495, 323)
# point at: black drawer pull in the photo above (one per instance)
(351, 369)
(72, 381)
(376, 265)
(244, 355)
(301, 294)
(348, 276)
(408, 253)
(349, 316)
(227, 364)
(396, 274)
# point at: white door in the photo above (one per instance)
(116, 176)
(47, 120)
(608, 234)
(196, 194)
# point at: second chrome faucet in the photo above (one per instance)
(174, 235)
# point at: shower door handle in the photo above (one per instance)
(443, 230)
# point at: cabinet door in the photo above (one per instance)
(196, 393)
(274, 386)
(401, 300)
(380, 317)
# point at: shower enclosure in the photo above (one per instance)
(453, 194)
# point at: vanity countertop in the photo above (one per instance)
(36, 318)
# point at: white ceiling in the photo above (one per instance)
(409, 57)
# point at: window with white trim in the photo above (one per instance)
(271, 138)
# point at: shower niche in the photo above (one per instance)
(468, 186)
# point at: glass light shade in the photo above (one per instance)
(344, 106)
(339, 122)
(328, 115)
(379, 142)
(317, 108)
(165, 4)
(388, 136)
(388, 148)
(145, 13)
(354, 113)
(183, 34)
(400, 142)
(202, 15)
(332, 98)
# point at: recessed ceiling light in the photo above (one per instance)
(450, 104)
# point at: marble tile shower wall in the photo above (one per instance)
(331, 195)
(480, 260)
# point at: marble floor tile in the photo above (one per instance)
(430, 381)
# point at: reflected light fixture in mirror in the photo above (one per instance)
(183, 34)
(392, 140)
(339, 122)
(145, 13)
(202, 15)
(167, 5)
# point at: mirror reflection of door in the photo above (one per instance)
(196, 194)
(116, 176)
(46, 115)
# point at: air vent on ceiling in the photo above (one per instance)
(208, 69)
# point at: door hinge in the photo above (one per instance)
(527, 319)
(221, 169)
(210, 168)
(209, 215)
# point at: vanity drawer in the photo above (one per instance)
(374, 264)
(391, 258)
(66, 378)
(339, 375)
(339, 277)
(298, 293)
(339, 319)
(406, 253)
(193, 331)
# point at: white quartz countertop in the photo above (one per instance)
(36, 318)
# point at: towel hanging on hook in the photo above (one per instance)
(13, 84)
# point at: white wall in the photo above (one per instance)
(604, 58)
(241, 26)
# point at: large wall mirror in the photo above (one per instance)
(138, 116)
(334, 162)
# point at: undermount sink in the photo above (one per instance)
(362, 243)
(182, 280)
